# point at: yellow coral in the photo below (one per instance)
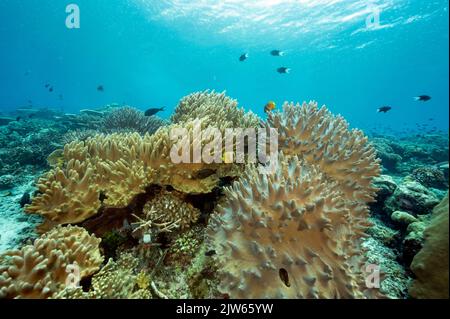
(40, 270)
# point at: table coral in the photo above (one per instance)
(40, 270)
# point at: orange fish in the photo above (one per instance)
(270, 106)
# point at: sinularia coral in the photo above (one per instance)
(110, 170)
(217, 110)
(128, 119)
(323, 139)
(292, 234)
(41, 270)
(297, 233)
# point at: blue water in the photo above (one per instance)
(153, 52)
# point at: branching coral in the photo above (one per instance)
(128, 119)
(78, 135)
(40, 270)
(217, 110)
(170, 207)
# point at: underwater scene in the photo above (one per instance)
(201, 149)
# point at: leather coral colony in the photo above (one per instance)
(118, 167)
(297, 233)
(40, 270)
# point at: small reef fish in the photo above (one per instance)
(50, 89)
(25, 200)
(276, 53)
(422, 98)
(384, 109)
(270, 106)
(153, 111)
(100, 88)
(283, 70)
(243, 57)
(47, 86)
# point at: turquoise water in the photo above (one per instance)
(151, 53)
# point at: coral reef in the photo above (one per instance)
(412, 197)
(40, 270)
(403, 155)
(111, 170)
(389, 158)
(430, 265)
(430, 177)
(114, 193)
(129, 120)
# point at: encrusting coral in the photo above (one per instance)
(430, 265)
(297, 233)
(41, 270)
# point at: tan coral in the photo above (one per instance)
(40, 270)
(216, 109)
(289, 235)
(111, 170)
(116, 280)
(323, 139)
